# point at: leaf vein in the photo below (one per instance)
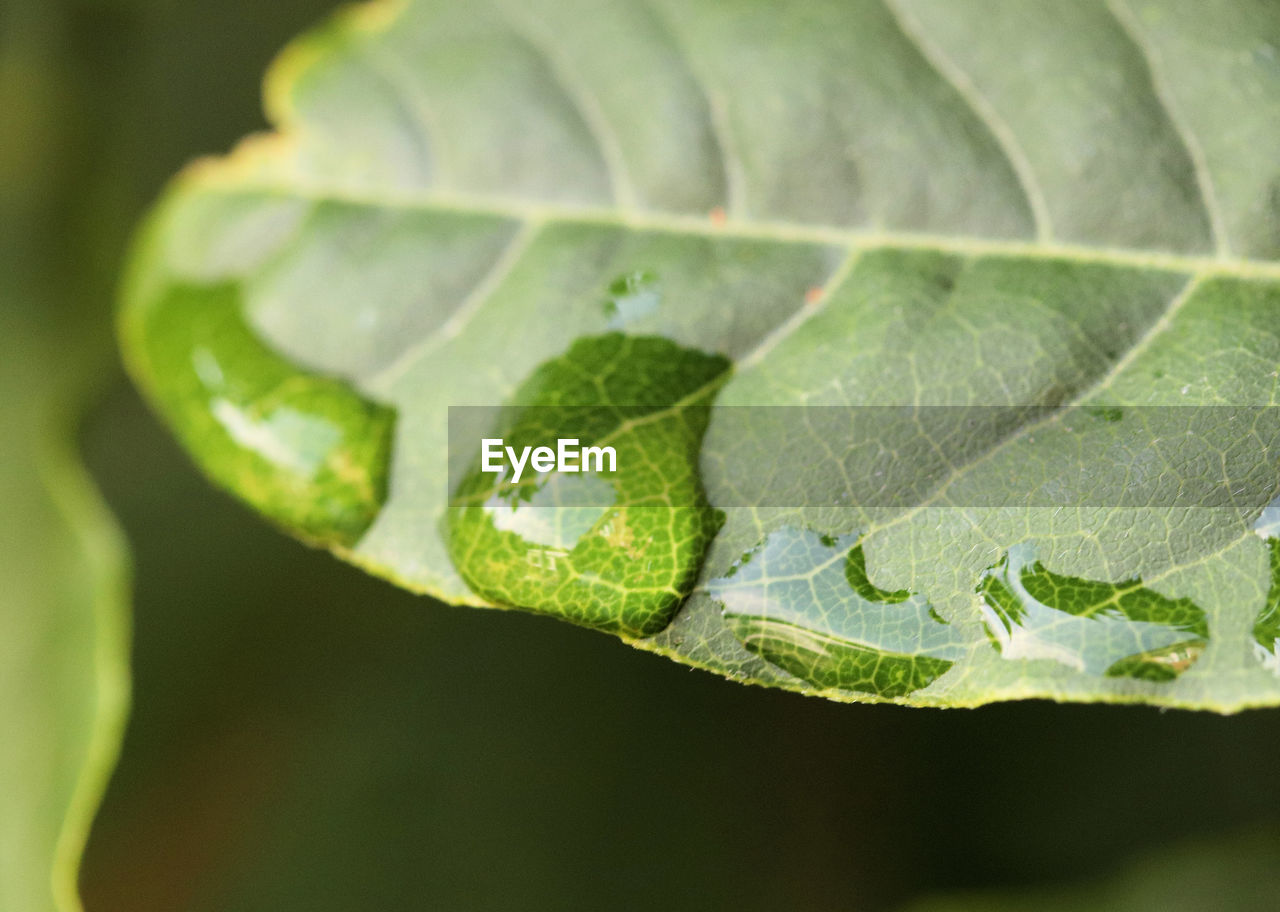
(735, 179)
(584, 102)
(955, 76)
(1131, 29)
(463, 314)
(390, 66)
(1157, 328)
(768, 229)
(802, 315)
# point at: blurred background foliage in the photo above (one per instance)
(304, 737)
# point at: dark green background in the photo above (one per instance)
(306, 738)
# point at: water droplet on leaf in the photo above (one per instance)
(1114, 629)
(305, 449)
(1266, 628)
(804, 603)
(632, 296)
(617, 551)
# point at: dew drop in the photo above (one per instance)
(1266, 627)
(305, 449)
(803, 602)
(617, 551)
(1267, 525)
(1110, 629)
(632, 296)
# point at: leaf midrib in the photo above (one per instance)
(762, 229)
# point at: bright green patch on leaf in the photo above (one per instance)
(616, 550)
(304, 449)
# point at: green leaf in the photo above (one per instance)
(63, 623)
(64, 683)
(979, 216)
(63, 599)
